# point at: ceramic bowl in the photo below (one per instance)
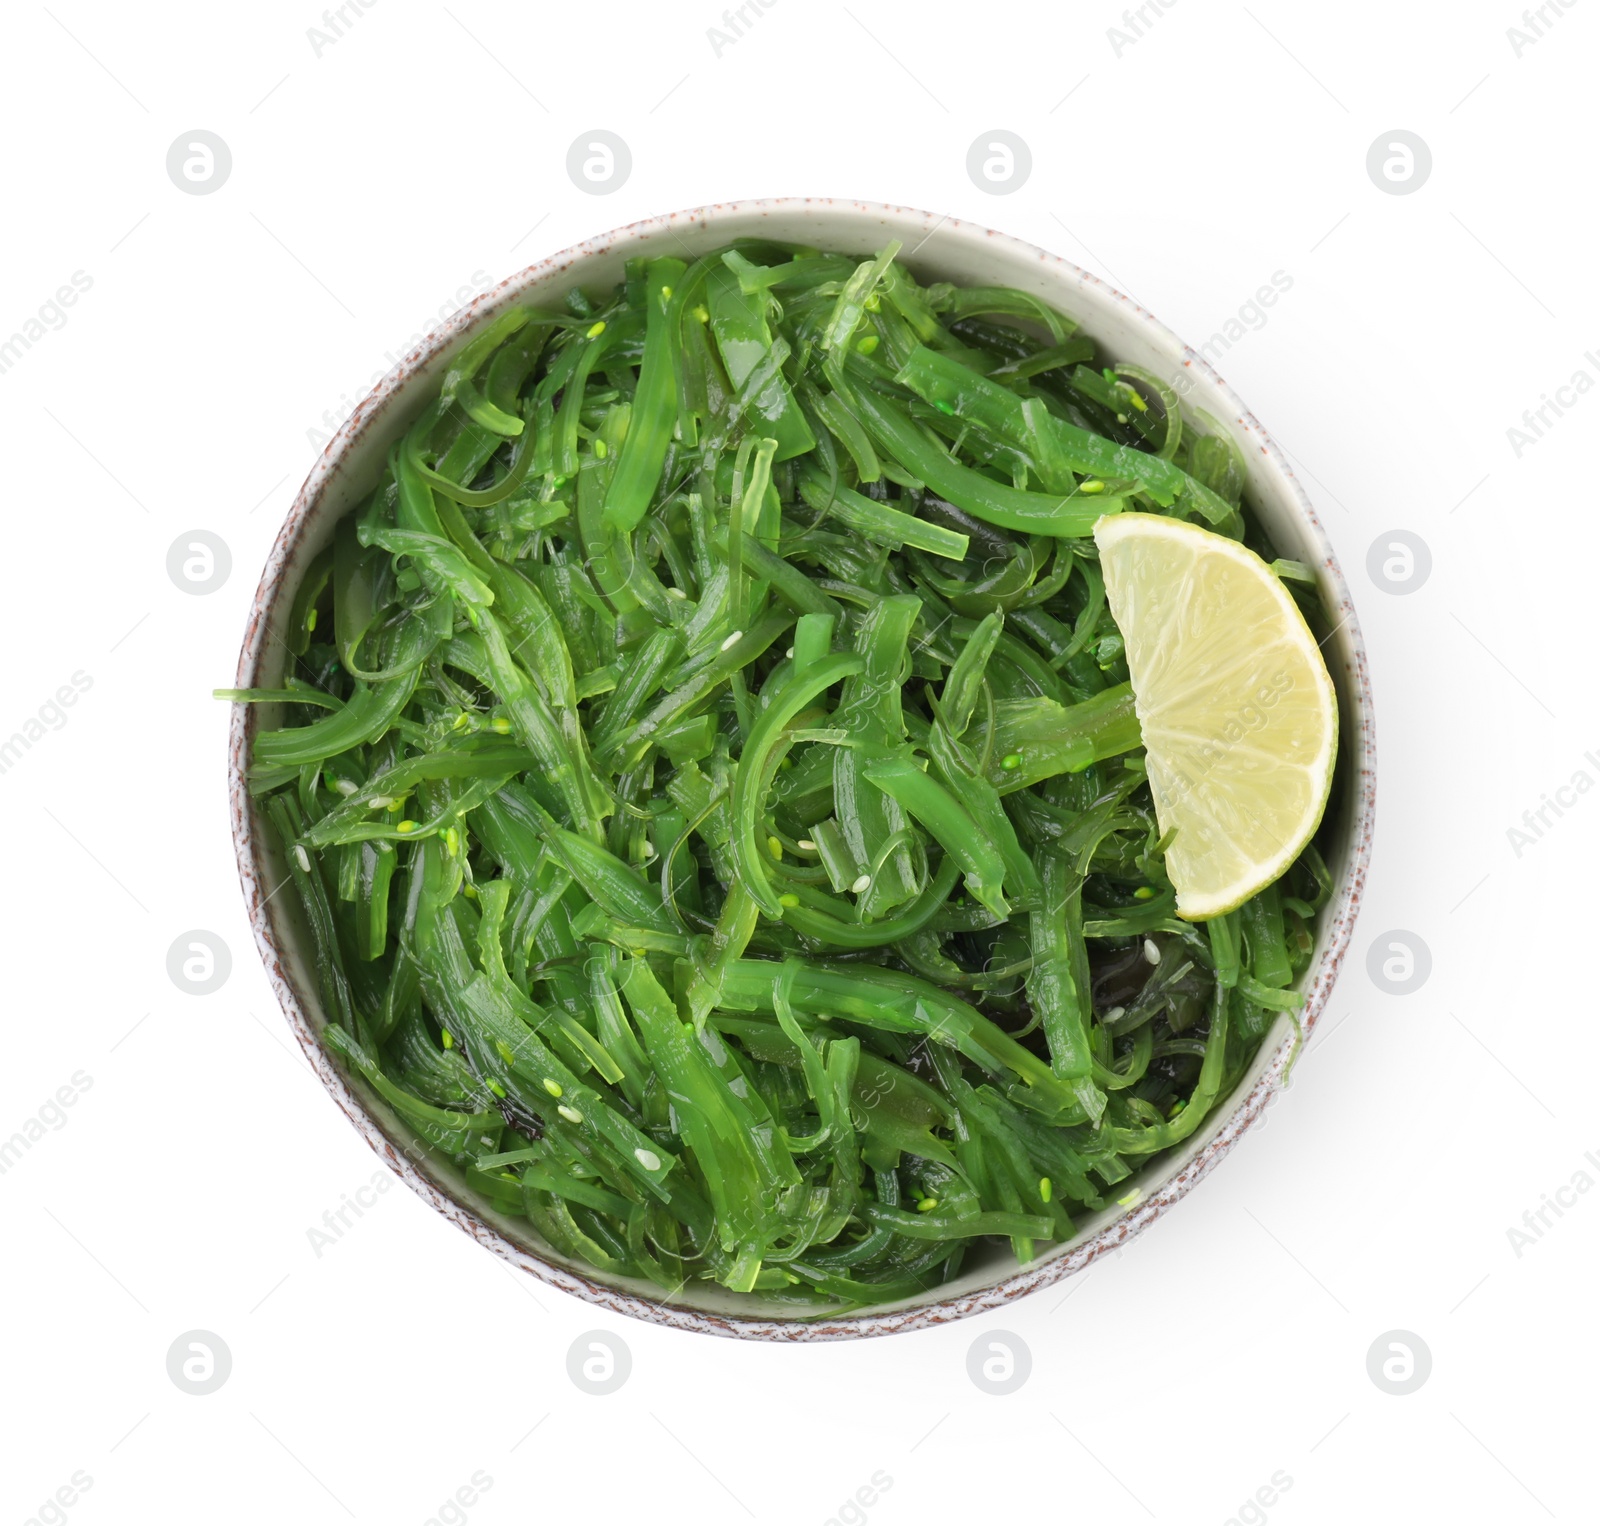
(935, 248)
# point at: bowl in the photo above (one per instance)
(935, 248)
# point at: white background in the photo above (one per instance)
(423, 152)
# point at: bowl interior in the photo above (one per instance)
(935, 249)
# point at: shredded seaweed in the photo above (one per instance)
(711, 782)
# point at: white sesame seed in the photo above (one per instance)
(789, 653)
(862, 885)
(346, 787)
(1151, 953)
(302, 858)
(732, 641)
(380, 802)
(806, 843)
(571, 1114)
(676, 593)
(648, 1159)
(1115, 1013)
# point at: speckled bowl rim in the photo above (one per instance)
(1219, 1134)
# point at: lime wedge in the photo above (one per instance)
(1237, 709)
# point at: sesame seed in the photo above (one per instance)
(1152, 954)
(552, 1086)
(676, 593)
(302, 858)
(775, 848)
(346, 787)
(1114, 1014)
(732, 641)
(862, 884)
(807, 844)
(571, 1114)
(648, 1159)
